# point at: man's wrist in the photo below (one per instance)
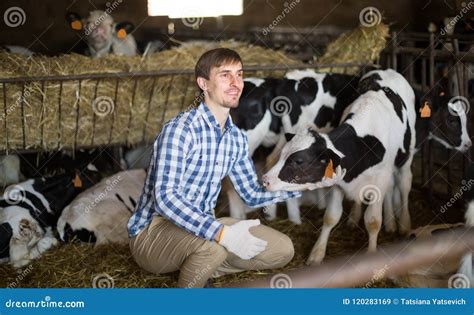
(219, 234)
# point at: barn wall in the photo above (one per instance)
(46, 31)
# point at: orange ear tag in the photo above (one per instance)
(122, 34)
(425, 111)
(76, 25)
(77, 181)
(329, 171)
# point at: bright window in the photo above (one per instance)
(176, 9)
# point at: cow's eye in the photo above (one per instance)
(299, 161)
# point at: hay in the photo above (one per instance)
(76, 265)
(361, 45)
(54, 115)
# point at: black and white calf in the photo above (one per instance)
(102, 35)
(367, 144)
(29, 212)
(100, 214)
(269, 108)
(445, 123)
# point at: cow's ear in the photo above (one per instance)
(74, 21)
(289, 136)
(122, 29)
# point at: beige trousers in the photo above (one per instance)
(164, 247)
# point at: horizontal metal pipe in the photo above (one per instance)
(165, 72)
(391, 260)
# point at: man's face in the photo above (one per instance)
(225, 85)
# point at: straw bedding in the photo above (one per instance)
(76, 265)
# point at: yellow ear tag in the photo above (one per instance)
(425, 111)
(122, 34)
(329, 171)
(76, 25)
(77, 181)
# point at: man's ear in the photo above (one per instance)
(202, 83)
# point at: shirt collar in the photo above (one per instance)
(211, 120)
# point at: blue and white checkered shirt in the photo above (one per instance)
(190, 158)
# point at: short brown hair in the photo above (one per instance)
(215, 58)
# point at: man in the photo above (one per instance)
(174, 227)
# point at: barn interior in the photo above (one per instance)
(61, 107)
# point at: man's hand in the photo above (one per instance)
(237, 239)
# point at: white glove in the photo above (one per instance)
(330, 181)
(237, 239)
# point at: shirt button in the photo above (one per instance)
(217, 163)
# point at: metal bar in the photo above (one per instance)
(166, 101)
(114, 111)
(184, 95)
(389, 261)
(167, 72)
(5, 114)
(22, 110)
(42, 114)
(77, 114)
(93, 112)
(394, 51)
(130, 114)
(148, 109)
(60, 127)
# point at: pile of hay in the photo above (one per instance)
(361, 45)
(77, 265)
(54, 115)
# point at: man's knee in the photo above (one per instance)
(281, 251)
(216, 251)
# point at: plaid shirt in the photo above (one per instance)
(190, 158)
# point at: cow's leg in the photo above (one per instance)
(236, 205)
(373, 213)
(270, 211)
(355, 214)
(321, 195)
(388, 214)
(404, 179)
(331, 218)
(293, 207)
(275, 155)
(42, 246)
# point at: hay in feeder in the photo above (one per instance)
(55, 114)
(361, 45)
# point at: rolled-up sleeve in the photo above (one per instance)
(245, 180)
(170, 150)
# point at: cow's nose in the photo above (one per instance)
(265, 181)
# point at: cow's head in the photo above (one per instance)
(448, 124)
(99, 27)
(303, 163)
(62, 189)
